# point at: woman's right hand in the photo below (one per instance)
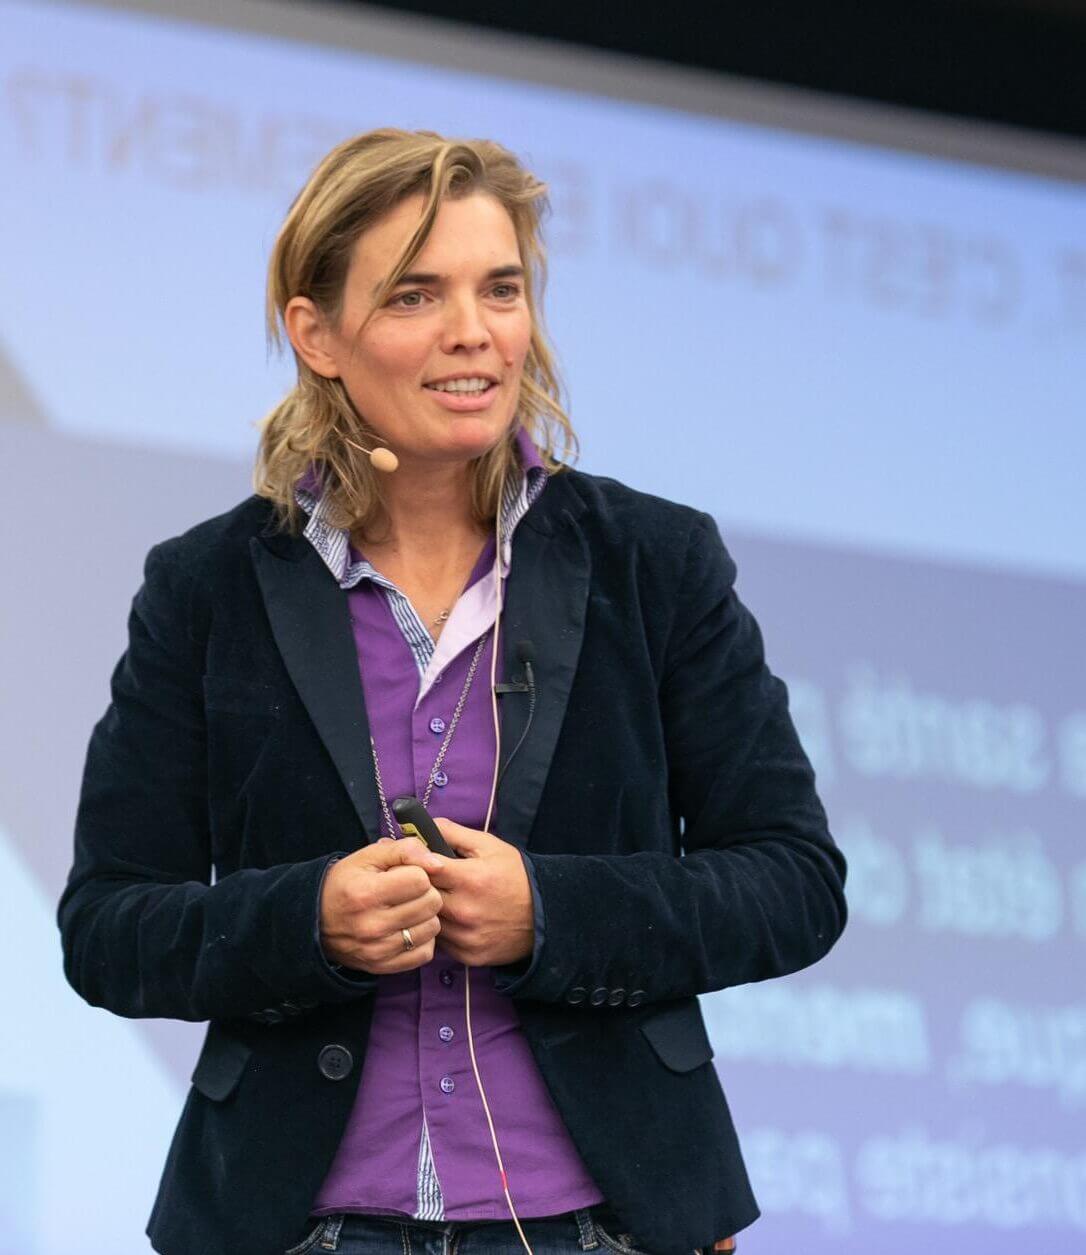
(369, 897)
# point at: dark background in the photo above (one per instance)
(1021, 62)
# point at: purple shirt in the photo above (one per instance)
(417, 1142)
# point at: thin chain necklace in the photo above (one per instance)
(392, 826)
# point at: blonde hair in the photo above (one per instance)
(315, 425)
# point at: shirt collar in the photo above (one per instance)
(333, 543)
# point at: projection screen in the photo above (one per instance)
(854, 335)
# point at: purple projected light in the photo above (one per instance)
(925, 1085)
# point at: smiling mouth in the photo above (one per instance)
(475, 387)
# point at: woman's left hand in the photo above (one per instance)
(487, 917)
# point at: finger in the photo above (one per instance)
(421, 932)
(416, 852)
(353, 887)
(467, 842)
(417, 911)
(453, 934)
(404, 961)
(386, 853)
(383, 941)
(404, 886)
(395, 957)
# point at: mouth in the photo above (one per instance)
(463, 385)
(465, 394)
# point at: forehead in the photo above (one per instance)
(470, 232)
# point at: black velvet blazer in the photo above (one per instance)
(661, 795)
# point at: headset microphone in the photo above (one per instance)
(381, 459)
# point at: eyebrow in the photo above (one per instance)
(418, 276)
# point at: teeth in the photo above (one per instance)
(461, 385)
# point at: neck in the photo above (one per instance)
(428, 507)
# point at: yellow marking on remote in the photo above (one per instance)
(409, 830)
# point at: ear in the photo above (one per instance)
(310, 335)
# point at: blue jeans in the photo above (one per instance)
(591, 1229)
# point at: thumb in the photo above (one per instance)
(467, 842)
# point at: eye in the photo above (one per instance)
(506, 291)
(408, 300)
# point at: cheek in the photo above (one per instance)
(393, 356)
(518, 337)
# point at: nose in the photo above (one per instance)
(465, 326)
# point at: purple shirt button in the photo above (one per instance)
(446, 976)
(440, 779)
(437, 725)
(447, 1085)
(445, 1033)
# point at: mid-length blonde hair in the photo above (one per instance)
(316, 425)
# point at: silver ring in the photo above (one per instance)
(408, 944)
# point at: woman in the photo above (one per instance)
(504, 1046)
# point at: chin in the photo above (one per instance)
(472, 440)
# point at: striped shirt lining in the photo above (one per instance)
(333, 545)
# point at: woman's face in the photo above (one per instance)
(436, 371)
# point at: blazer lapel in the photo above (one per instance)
(311, 624)
(546, 599)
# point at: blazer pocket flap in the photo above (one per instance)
(677, 1034)
(220, 1065)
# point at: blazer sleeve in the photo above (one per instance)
(759, 889)
(144, 931)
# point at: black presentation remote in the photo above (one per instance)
(413, 818)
